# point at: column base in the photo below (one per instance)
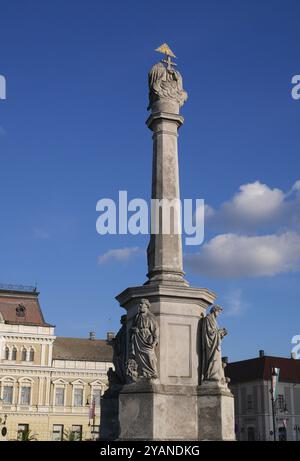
(110, 426)
(215, 412)
(151, 411)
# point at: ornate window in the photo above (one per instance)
(96, 396)
(31, 355)
(280, 400)
(24, 355)
(14, 353)
(7, 385)
(249, 402)
(78, 397)
(25, 395)
(8, 392)
(60, 396)
(6, 353)
(25, 391)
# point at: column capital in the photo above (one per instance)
(179, 119)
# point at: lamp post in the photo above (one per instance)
(273, 401)
(91, 401)
(3, 423)
(297, 430)
(274, 412)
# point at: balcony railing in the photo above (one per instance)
(14, 287)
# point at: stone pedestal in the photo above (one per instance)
(166, 409)
(110, 424)
(178, 312)
(150, 411)
(215, 412)
(170, 407)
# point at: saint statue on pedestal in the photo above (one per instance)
(211, 367)
(142, 361)
(120, 347)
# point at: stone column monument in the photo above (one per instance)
(168, 393)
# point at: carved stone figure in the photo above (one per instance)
(132, 370)
(165, 83)
(143, 340)
(211, 367)
(119, 355)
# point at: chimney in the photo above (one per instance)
(293, 355)
(261, 353)
(92, 335)
(110, 336)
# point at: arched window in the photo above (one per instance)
(14, 354)
(31, 355)
(6, 353)
(24, 353)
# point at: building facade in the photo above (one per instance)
(251, 384)
(50, 387)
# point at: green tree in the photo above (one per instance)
(70, 436)
(26, 436)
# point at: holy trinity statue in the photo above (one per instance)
(142, 361)
(211, 367)
(165, 83)
(120, 348)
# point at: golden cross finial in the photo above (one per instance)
(166, 50)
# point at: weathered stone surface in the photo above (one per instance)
(178, 312)
(156, 412)
(165, 249)
(110, 424)
(173, 406)
(215, 412)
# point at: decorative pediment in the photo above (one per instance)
(78, 382)
(96, 383)
(8, 379)
(26, 380)
(60, 381)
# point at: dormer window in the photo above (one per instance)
(20, 310)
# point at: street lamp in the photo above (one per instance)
(91, 402)
(297, 430)
(3, 423)
(273, 400)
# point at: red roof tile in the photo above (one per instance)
(261, 368)
(26, 303)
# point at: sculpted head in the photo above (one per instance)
(216, 310)
(144, 306)
(123, 319)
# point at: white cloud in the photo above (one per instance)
(118, 254)
(234, 304)
(256, 205)
(231, 255)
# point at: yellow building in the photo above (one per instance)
(50, 387)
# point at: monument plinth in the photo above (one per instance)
(160, 398)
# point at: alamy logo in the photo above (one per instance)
(2, 87)
(296, 89)
(164, 216)
(296, 348)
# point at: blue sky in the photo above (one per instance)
(73, 132)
